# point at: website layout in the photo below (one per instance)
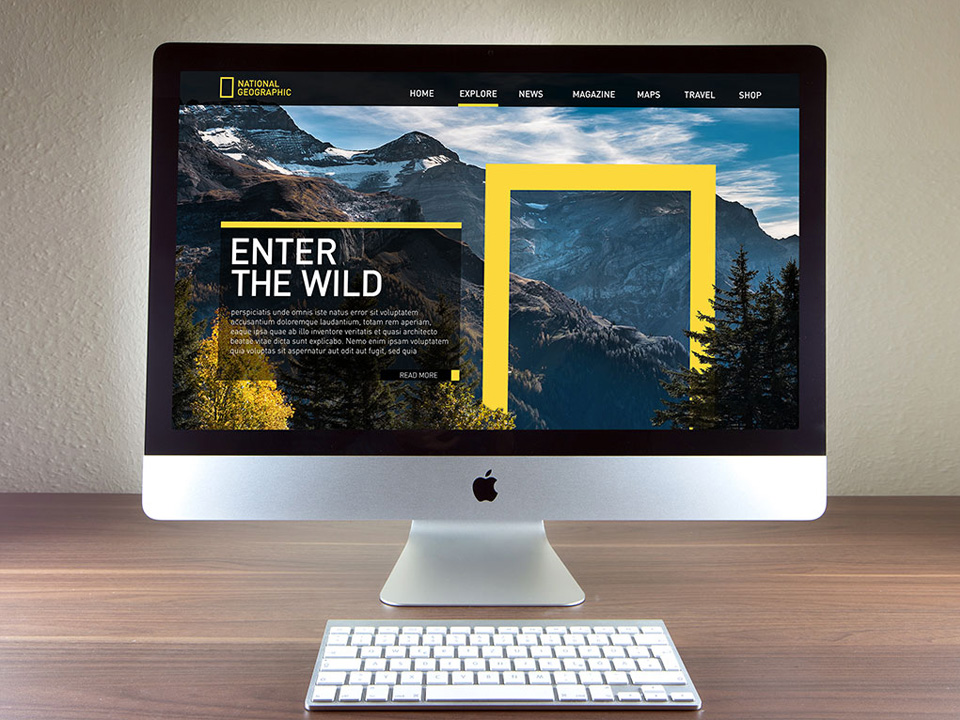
(486, 252)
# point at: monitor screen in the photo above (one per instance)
(375, 269)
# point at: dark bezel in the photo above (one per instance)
(807, 62)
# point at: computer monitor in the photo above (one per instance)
(481, 287)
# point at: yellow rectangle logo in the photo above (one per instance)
(502, 179)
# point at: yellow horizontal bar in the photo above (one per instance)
(478, 104)
(280, 224)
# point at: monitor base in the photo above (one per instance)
(479, 563)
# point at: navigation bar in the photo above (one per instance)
(485, 90)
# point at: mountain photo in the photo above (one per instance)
(599, 285)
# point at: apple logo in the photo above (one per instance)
(483, 488)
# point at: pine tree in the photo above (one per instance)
(450, 405)
(336, 392)
(778, 312)
(749, 357)
(186, 343)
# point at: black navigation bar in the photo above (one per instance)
(502, 89)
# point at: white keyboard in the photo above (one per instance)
(626, 664)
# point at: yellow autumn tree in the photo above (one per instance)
(237, 390)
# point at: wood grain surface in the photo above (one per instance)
(106, 614)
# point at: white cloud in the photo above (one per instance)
(545, 134)
(781, 228)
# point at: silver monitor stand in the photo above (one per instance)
(479, 563)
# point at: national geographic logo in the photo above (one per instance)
(231, 87)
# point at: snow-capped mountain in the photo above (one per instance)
(626, 255)
(267, 137)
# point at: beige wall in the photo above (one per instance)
(74, 190)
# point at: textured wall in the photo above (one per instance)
(74, 194)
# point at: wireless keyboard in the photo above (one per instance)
(627, 664)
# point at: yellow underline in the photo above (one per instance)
(478, 104)
(240, 224)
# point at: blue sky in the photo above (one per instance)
(756, 150)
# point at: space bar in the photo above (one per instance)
(479, 693)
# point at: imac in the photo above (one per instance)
(481, 287)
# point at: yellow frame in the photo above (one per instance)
(502, 179)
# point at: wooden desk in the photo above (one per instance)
(106, 614)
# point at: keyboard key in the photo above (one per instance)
(616, 678)
(360, 678)
(541, 678)
(650, 639)
(331, 678)
(350, 693)
(565, 678)
(661, 677)
(404, 693)
(340, 652)
(329, 665)
(573, 693)
(602, 665)
(324, 693)
(377, 693)
(600, 693)
(492, 693)
(589, 677)
(682, 697)
(385, 677)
